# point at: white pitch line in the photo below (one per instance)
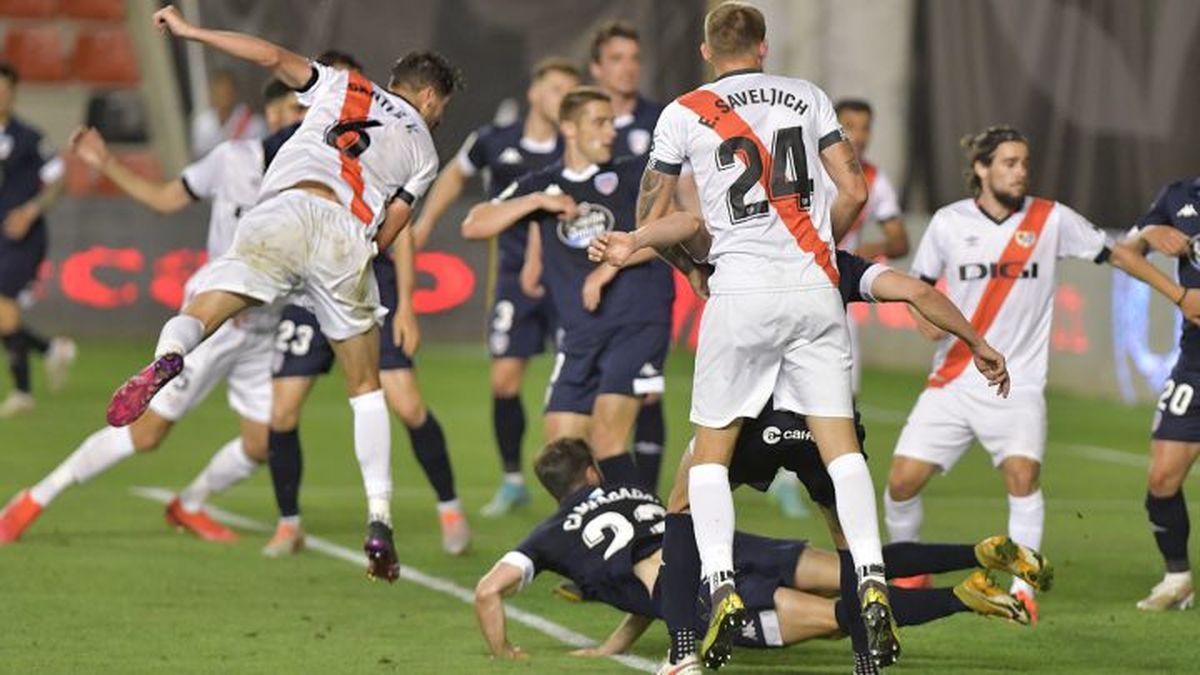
(542, 625)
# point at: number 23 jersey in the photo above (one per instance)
(754, 142)
(367, 144)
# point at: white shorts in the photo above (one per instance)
(299, 246)
(945, 421)
(790, 345)
(240, 357)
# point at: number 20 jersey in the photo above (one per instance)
(367, 144)
(754, 142)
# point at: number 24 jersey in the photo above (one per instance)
(367, 144)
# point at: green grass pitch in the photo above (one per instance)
(100, 584)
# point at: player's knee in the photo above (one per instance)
(903, 484)
(285, 417)
(411, 413)
(506, 378)
(148, 432)
(1163, 481)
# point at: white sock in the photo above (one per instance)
(373, 448)
(94, 456)
(1178, 577)
(856, 509)
(227, 468)
(452, 506)
(903, 518)
(786, 477)
(294, 521)
(712, 514)
(180, 335)
(1026, 519)
(515, 478)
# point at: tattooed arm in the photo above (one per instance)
(842, 165)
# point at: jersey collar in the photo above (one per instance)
(985, 214)
(740, 71)
(538, 147)
(580, 176)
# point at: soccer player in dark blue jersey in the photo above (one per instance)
(616, 324)
(1172, 227)
(607, 537)
(31, 179)
(518, 325)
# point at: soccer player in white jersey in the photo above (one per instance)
(338, 191)
(998, 251)
(774, 324)
(240, 353)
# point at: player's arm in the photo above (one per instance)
(1129, 257)
(628, 632)
(932, 306)
(488, 219)
(504, 579)
(406, 332)
(399, 213)
(664, 235)
(1164, 239)
(161, 196)
(843, 168)
(291, 68)
(531, 269)
(20, 220)
(445, 191)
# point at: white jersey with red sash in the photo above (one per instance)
(1002, 276)
(882, 206)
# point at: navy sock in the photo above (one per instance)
(1169, 520)
(34, 341)
(913, 607)
(848, 600)
(906, 559)
(649, 437)
(508, 421)
(620, 469)
(429, 445)
(680, 587)
(18, 361)
(287, 464)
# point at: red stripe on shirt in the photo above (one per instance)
(356, 105)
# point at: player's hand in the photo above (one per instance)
(19, 220)
(559, 203)
(1166, 240)
(406, 332)
(614, 248)
(89, 145)
(1190, 305)
(593, 287)
(698, 278)
(169, 20)
(991, 365)
(531, 280)
(512, 653)
(594, 651)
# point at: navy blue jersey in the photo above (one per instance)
(855, 273)
(1178, 205)
(595, 539)
(272, 144)
(607, 199)
(23, 157)
(504, 155)
(635, 131)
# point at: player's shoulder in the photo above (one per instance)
(18, 127)
(647, 109)
(500, 134)
(963, 208)
(630, 165)
(535, 181)
(1185, 185)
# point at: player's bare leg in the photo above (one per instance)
(1026, 515)
(288, 395)
(556, 425)
(903, 510)
(613, 418)
(236, 461)
(508, 422)
(359, 358)
(1170, 463)
(711, 501)
(429, 446)
(837, 441)
(180, 335)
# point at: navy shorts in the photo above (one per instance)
(626, 359)
(302, 350)
(1177, 417)
(755, 465)
(761, 566)
(519, 326)
(20, 260)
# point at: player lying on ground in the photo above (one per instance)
(607, 538)
(616, 323)
(240, 353)
(359, 160)
(860, 281)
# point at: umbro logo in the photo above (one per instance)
(510, 156)
(1188, 211)
(972, 240)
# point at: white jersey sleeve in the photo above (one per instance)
(425, 173)
(885, 205)
(322, 78)
(202, 177)
(930, 259)
(668, 152)
(829, 130)
(1078, 237)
